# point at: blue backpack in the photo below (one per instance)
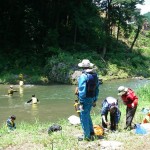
(91, 84)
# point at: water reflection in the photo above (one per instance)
(34, 110)
(21, 91)
(10, 101)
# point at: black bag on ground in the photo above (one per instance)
(54, 128)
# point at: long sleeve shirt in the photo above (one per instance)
(130, 98)
(82, 89)
(106, 104)
(10, 124)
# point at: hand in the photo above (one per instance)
(94, 104)
(132, 105)
(81, 107)
(107, 123)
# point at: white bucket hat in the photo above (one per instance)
(86, 63)
(122, 90)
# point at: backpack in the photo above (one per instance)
(91, 85)
(98, 130)
(54, 128)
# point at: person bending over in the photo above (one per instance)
(131, 101)
(110, 106)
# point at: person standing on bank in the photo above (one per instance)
(131, 101)
(88, 90)
(110, 104)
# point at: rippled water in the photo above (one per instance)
(56, 101)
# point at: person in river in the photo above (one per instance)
(76, 102)
(10, 123)
(88, 90)
(11, 90)
(77, 106)
(21, 78)
(33, 100)
(131, 101)
(110, 105)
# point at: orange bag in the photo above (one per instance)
(98, 130)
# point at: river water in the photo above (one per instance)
(56, 101)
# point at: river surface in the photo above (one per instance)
(56, 101)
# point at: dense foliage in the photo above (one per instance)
(36, 34)
(147, 15)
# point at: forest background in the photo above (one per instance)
(45, 40)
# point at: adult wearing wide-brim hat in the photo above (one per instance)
(86, 64)
(87, 99)
(131, 101)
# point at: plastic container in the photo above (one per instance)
(140, 130)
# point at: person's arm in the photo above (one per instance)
(82, 87)
(104, 111)
(29, 101)
(76, 91)
(135, 101)
(132, 99)
(104, 119)
(97, 90)
(9, 124)
(117, 116)
(15, 91)
(14, 125)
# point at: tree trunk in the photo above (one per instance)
(75, 34)
(118, 32)
(135, 38)
(104, 52)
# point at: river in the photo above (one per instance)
(56, 101)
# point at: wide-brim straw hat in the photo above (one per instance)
(85, 64)
(122, 90)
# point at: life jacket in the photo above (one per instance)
(10, 92)
(91, 84)
(10, 123)
(98, 130)
(130, 98)
(34, 100)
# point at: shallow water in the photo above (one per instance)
(56, 101)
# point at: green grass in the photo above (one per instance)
(35, 136)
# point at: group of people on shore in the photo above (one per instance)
(88, 92)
